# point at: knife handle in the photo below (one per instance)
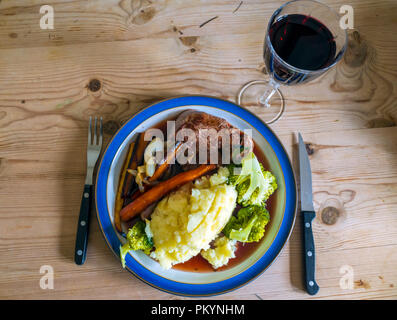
(309, 256)
(82, 227)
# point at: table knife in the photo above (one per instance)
(308, 214)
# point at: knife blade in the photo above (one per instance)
(308, 214)
(305, 178)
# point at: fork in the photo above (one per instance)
(93, 151)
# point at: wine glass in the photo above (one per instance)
(303, 41)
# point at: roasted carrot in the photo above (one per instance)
(162, 167)
(134, 163)
(135, 194)
(158, 191)
(119, 198)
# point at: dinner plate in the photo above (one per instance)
(199, 283)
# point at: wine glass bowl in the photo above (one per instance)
(303, 41)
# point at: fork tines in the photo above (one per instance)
(97, 140)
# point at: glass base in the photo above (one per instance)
(260, 93)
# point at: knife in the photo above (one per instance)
(308, 214)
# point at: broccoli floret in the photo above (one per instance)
(248, 225)
(254, 185)
(137, 239)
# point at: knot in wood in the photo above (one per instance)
(357, 50)
(330, 215)
(309, 148)
(110, 127)
(94, 85)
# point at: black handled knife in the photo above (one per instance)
(308, 215)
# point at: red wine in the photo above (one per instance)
(301, 41)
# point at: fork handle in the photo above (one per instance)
(83, 225)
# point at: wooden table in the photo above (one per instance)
(111, 58)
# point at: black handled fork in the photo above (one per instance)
(93, 150)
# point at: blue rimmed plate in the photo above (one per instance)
(193, 283)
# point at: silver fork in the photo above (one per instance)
(93, 150)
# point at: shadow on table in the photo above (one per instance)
(72, 188)
(295, 240)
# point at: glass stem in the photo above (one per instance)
(265, 100)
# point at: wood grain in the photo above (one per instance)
(143, 51)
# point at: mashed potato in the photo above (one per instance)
(221, 253)
(187, 220)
